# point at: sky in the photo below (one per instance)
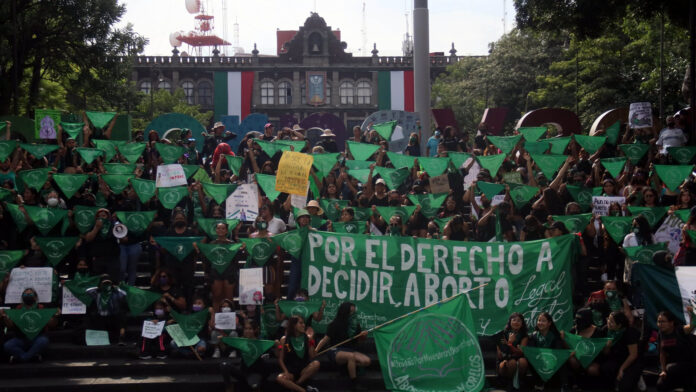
(470, 24)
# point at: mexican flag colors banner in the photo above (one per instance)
(666, 289)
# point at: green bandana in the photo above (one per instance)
(673, 175)
(169, 153)
(145, 189)
(89, 154)
(536, 147)
(119, 168)
(393, 177)
(235, 164)
(190, 170)
(117, 182)
(521, 195)
(192, 323)
(634, 152)
(138, 300)
(361, 151)
(79, 285)
(617, 227)
(85, 217)
(179, 247)
(108, 146)
(201, 176)
(272, 148)
(352, 227)
(219, 255)
(298, 345)
(574, 223)
(208, 225)
(251, 349)
(505, 143)
(105, 229)
(104, 296)
(491, 163)
(692, 235)
(267, 184)
(305, 309)
(269, 324)
(137, 221)
(39, 150)
(613, 133)
(7, 147)
(31, 321)
(170, 197)
(362, 213)
(100, 119)
(583, 195)
(652, 214)
(586, 349)
(683, 155)
(360, 174)
(683, 214)
(489, 189)
(385, 129)
(458, 158)
(546, 361)
(219, 192)
(644, 254)
(325, 162)
(35, 178)
(434, 166)
(615, 336)
(297, 145)
(430, 203)
(400, 160)
(72, 129)
(259, 249)
(532, 134)
(291, 241)
(558, 144)
(357, 165)
(17, 215)
(613, 166)
(404, 211)
(132, 151)
(45, 218)
(590, 143)
(56, 248)
(70, 183)
(549, 164)
(8, 260)
(332, 208)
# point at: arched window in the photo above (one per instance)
(188, 87)
(345, 91)
(267, 93)
(364, 93)
(284, 93)
(205, 93)
(145, 86)
(165, 85)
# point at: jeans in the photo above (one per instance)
(130, 254)
(295, 277)
(25, 349)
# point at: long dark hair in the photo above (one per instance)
(342, 316)
(644, 229)
(552, 324)
(292, 322)
(523, 328)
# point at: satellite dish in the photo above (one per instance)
(174, 39)
(193, 6)
(120, 230)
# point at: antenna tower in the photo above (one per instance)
(363, 31)
(225, 34)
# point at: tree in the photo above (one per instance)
(162, 102)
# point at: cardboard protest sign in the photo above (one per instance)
(170, 175)
(226, 321)
(152, 329)
(600, 204)
(243, 203)
(71, 304)
(96, 338)
(293, 173)
(640, 115)
(250, 286)
(40, 279)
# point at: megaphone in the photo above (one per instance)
(120, 230)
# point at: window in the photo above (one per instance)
(345, 91)
(145, 86)
(188, 91)
(328, 93)
(165, 85)
(267, 93)
(284, 93)
(364, 93)
(303, 94)
(205, 93)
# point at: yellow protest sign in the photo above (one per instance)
(293, 173)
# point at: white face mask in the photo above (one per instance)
(52, 202)
(226, 309)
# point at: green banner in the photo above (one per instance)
(614, 166)
(70, 183)
(219, 192)
(56, 248)
(272, 148)
(532, 134)
(251, 349)
(72, 129)
(136, 221)
(117, 182)
(79, 285)
(546, 361)
(332, 208)
(235, 164)
(489, 189)
(39, 150)
(361, 151)
(17, 216)
(84, 218)
(586, 349)
(559, 144)
(505, 143)
(179, 247)
(673, 175)
(389, 276)
(208, 225)
(138, 299)
(430, 203)
(683, 155)
(8, 260)
(89, 154)
(100, 119)
(267, 184)
(574, 223)
(401, 160)
(45, 218)
(634, 152)
(120, 168)
(219, 255)
(132, 151)
(393, 177)
(192, 323)
(435, 166)
(521, 195)
(435, 349)
(325, 162)
(458, 158)
(652, 214)
(259, 249)
(491, 163)
(169, 153)
(7, 147)
(35, 178)
(291, 241)
(617, 227)
(644, 254)
(590, 143)
(549, 164)
(145, 189)
(108, 146)
(613, 133)
(537, 147)
(170, 197)
(31, 321)
(583, 195)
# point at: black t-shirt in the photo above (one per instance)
(619, 349)
(376, 201)
(676, 347)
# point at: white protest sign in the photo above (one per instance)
(226, 321)
(670, 232)
(640, 115)
(299, 201)
(600, 204)
(72, 305)
(243, 203)
(497, 199)
(170, 175)
(250, 286)
(95, 337)
(439, 184)
(152, 329)
(39, 279)
(472, 174)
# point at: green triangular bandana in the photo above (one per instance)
(120, 168)
(179, 247)
(442, 222)
(85, 218)
(536, 147)
(132, 151)
(192, 323)
(39, 150)
(89, 154)
(489, 189)
(652, 214)
(546, 361)
(259, 250)
(357, 165)
(360, 174)
(304, 308)
(332, 207)
(138, 300)
(72, 129)
(136, 221)
(361, 151)
(56, 248)
(201, 176)
(208, 225)
(613, 133)
(429, 203)
(297, 145)
(583, 195)
(634, 152)
(35, 178)
(590, 143)
(79, 285)
(393, 177)
(404, 211)
(17, 215)
(117, 182)
(558, 144)
(272, 148)
(145, 189)
(385, 129)
(434, 166)
(8, 260)
(190, 170)
(491, 163)
(613, 166)
(586, 349)
(269, 324)
(169, 154)
(108, 146)
(683, 155)
(251, 349)
(70, 183)
(219, 192)
(100, 119)
(235, 164)
(617, 227)
(267, 184)
(31, 321)
(505, 143)
(401, 160)
(362, 213)
(45, 218)
(532, 134)
(644, 254)
(673, 175)
(219, 255)
(681, 214)
(458, 158)
(549, 164)
(325, 162)
(521, 195)
(574, 223)
(291, 241)
(352, 227)
(7, 147)
(170, 197)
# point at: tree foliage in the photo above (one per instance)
(162, 102)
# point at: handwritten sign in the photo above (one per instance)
(600, 204)
(95, 337)
(72, 305)
(640, 115)
(152, 329)
(670, 232)
(170, 175)
(226, 321)
(243, 203)
(293, 173)
(39, 279)
(439, 184)
(250, 286)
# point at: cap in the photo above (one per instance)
(381, 181)
(218, 124)
(300, 213)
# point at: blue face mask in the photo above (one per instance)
(197, 308)
(299, 299)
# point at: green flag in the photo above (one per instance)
(586, 349)
(84, 218)
(117, 182)
(219, 255)
(170, 197)
(35, 178)
(17, 216)
(120, 168)
(169, 153)
(614, 166)
(138, 299)
(235, 164)
(435, 349)
(70, 183)
(108, 146)
(404, 212)
(537, 147)
(546, 361)
(72, 129)
(590, 143)
(558, 144)
(489, 189)
(430, 203)
(505, 143)
(362, 213)
(56, 248)
(89, 154)
(190, 170)
(361, 151)
(583, 195)
(683, 155)
(652, 214)
(145, 189)
(491, 163)
(673, 175)
(683, 214)
(393, 177)
(613, 133)
(179, 247)
(360, 174)
(208, 225)
(458, 158)
(31, 321)
(434, 166)
(357, 165)
(574, 223)
(332, 207)
(291, 241)
(251, 349)
(269, 324)
(325, 162)
(549, 164)
(219, 192)
(201, 176)
(644, 254)
(136, 221)
(297, 145)
(39, 150)
(351, 227)
(79, 285)
(634, 152)
(267, 184)
(617, 227)
(302, 308)
(132, 151)
(532, 134)
(259, 250)
(401, 160)
(45, 218)
(100, 119)
(271, 148)
(192, 323)
(385, 129)
(8, 260)
(7, 147)
(521, 195)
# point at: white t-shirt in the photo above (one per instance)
(276, 226)
(671, 137)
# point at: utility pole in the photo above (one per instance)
(421, 68)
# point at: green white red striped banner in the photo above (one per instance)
(233, 92)
(395, 90)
